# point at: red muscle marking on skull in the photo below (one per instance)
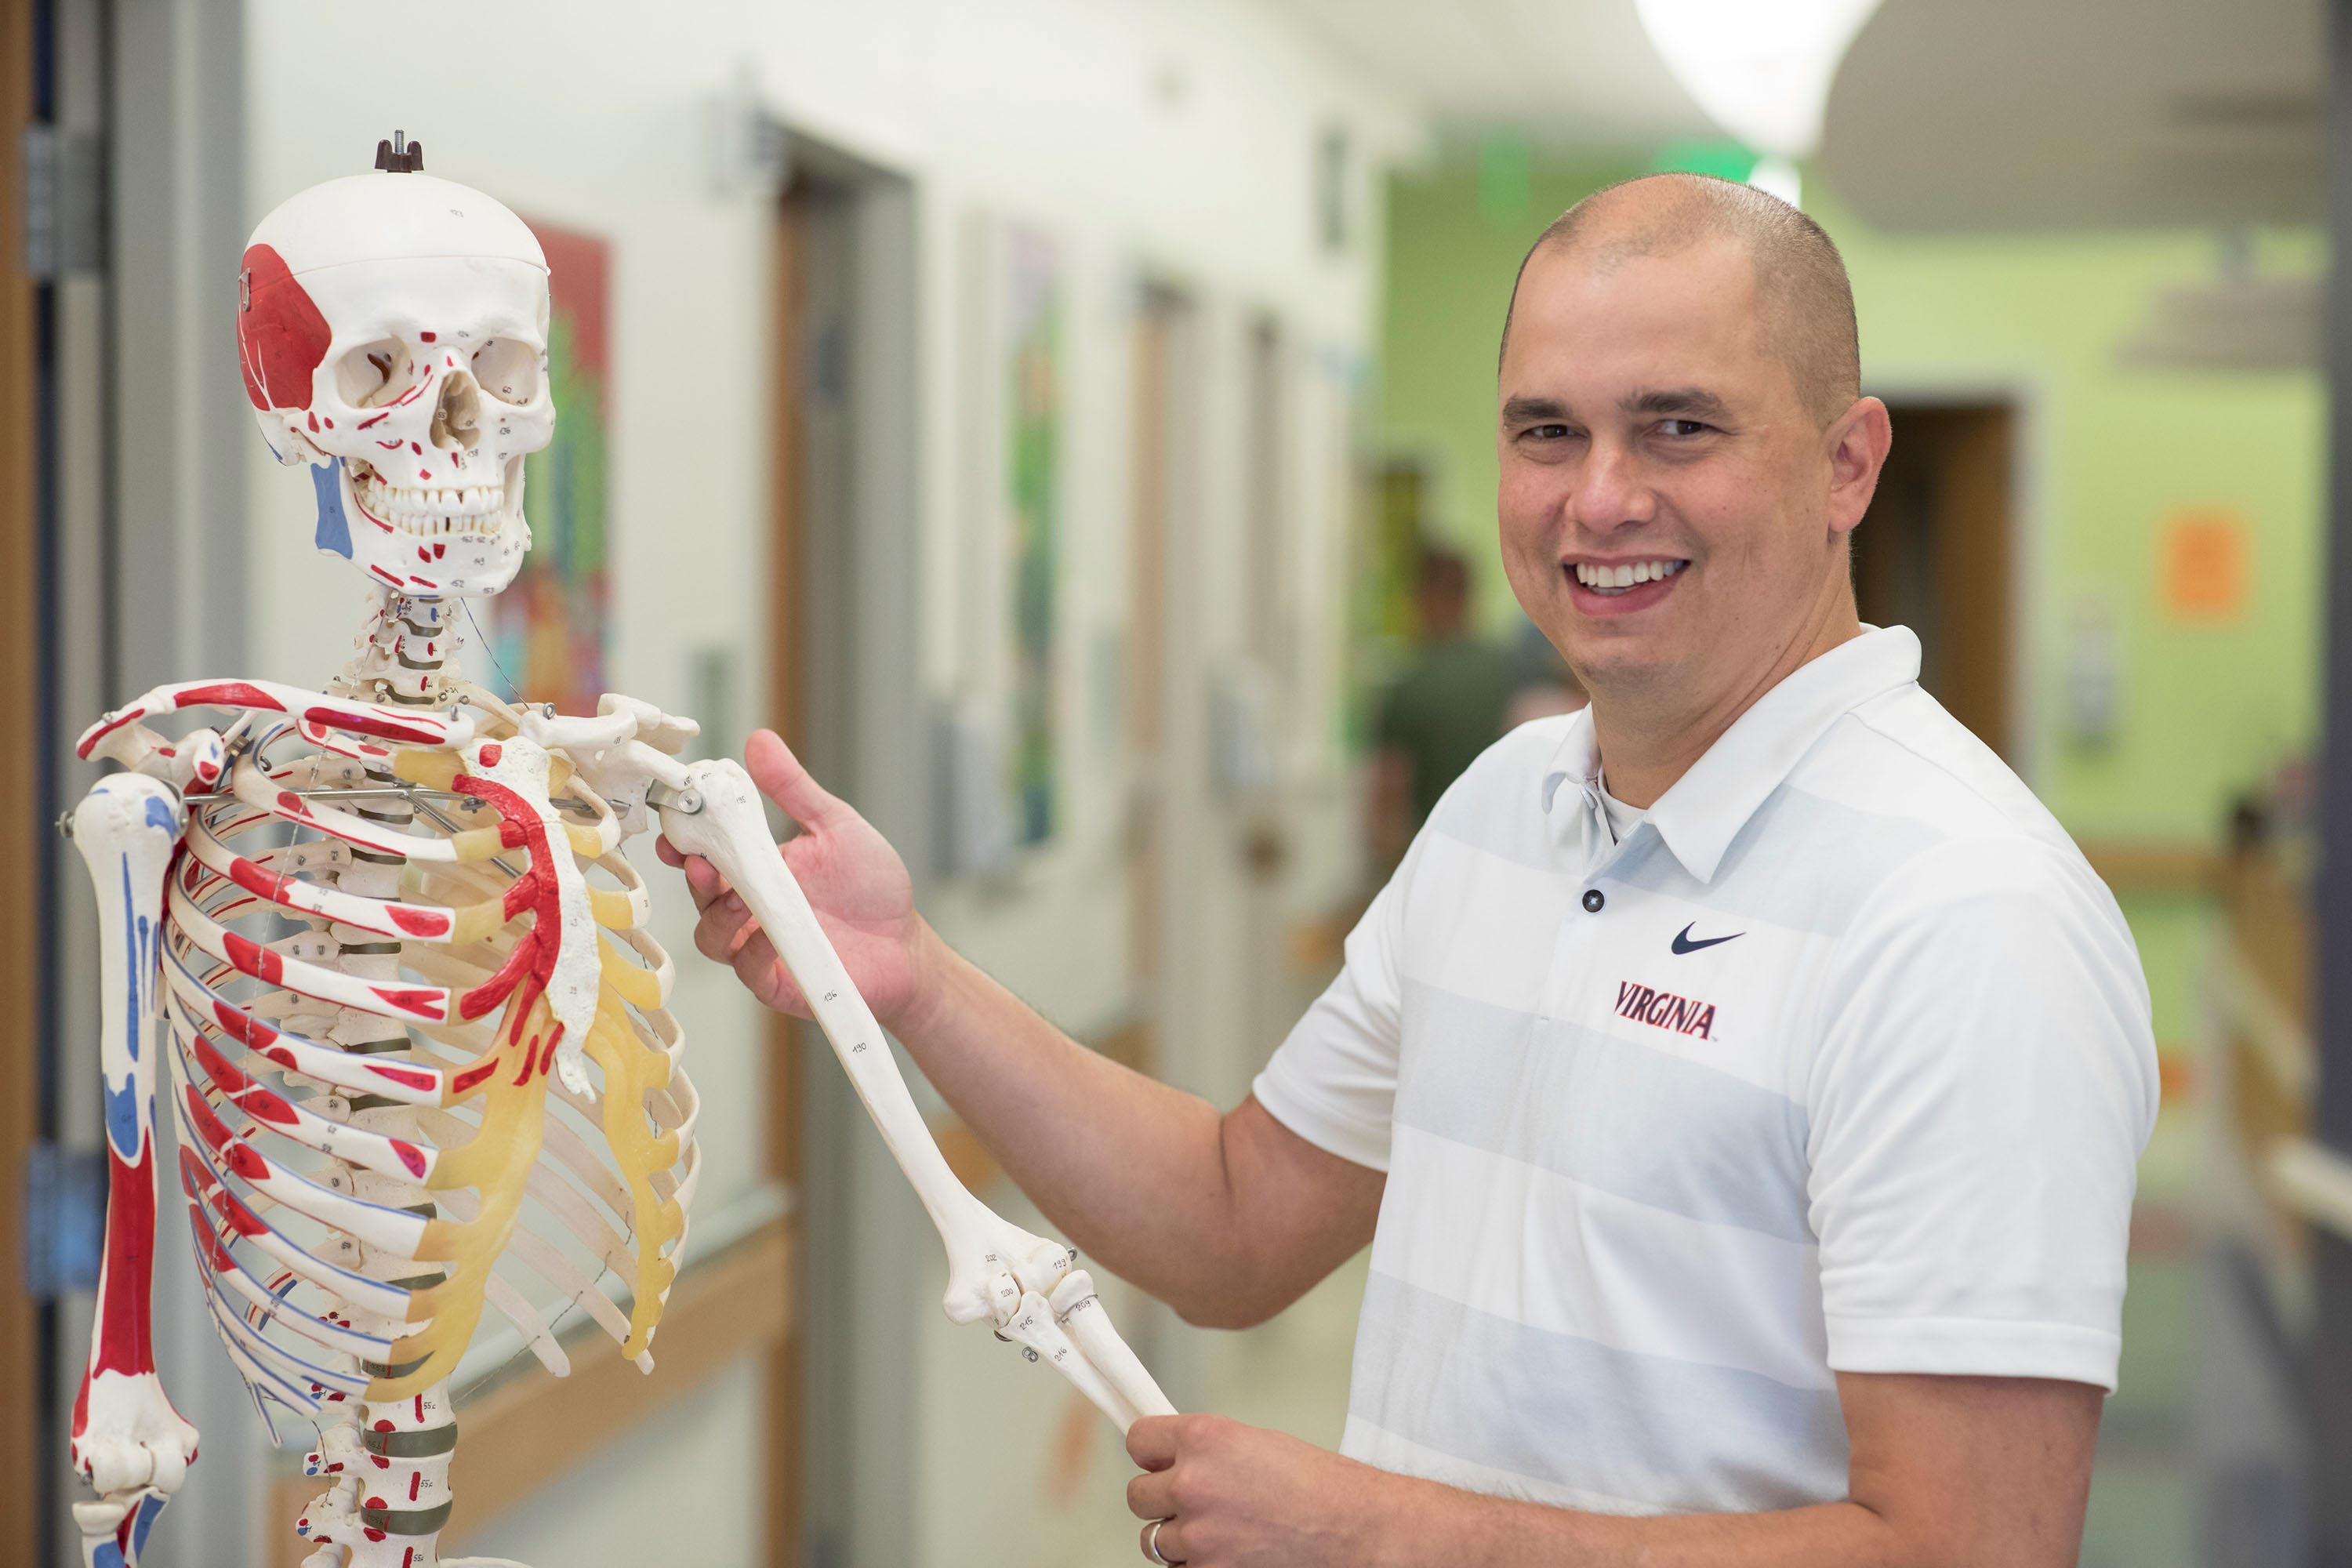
(384, 574)
(314, 422)
(418, 922)
(423, 473)
(439, 550)
(420, 1418)
(428, 337)
(372, 424)
(281, 336)
(422, 582)
(415, 449)
(416, 1478)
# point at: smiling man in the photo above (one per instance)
(1740, 1081)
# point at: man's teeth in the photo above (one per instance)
(447, 510)
(1618, 578)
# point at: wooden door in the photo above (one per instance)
(23, 1509)
(1936, 554)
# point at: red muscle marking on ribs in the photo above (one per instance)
(243, 1160)
(420, 1421)
(244, 1027)
(209, 1126)
(409, 1078)
(227, 694)
(513, 835)
(418, 1001)
(490, 753)
(410, 1155)
(418, 922)
(281, 336)
(258, 880)
(470, 1077)
(416, 1478)
(522, 893)
(256, 959)
(523, 960)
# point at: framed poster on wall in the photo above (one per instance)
(549, 631)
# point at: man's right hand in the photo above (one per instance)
(854, 881)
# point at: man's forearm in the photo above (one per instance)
(1129, 1168)
(1497, 1533)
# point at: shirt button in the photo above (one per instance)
(1593, 900)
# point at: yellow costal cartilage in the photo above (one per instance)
(496, 1162)
(632, 1071)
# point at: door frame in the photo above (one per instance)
(2026, 400)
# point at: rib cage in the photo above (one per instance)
(351, 1213)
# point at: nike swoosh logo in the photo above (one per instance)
(1683, 942)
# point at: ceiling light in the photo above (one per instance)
(1761, 68)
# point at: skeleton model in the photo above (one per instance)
(461, 1054)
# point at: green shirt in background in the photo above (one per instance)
(1448, 706)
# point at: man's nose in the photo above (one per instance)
(1611, 489)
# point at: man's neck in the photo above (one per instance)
(1645, 745)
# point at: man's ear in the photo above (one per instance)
(1859, 440)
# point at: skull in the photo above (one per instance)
(393, 334)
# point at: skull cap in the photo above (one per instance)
(393, 217)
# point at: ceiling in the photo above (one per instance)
(1974, 115)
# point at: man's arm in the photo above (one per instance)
(1227, 1217)
(1946, 1472)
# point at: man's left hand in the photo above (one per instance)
(1240, 1497)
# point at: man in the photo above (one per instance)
(1740, 1083)
(1447, 705)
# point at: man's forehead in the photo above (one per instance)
(1669, 321)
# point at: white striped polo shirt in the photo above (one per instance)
(1840, 1062)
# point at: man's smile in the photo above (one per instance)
(1622, 587)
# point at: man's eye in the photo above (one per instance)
(1682, 427)
(1545, 432)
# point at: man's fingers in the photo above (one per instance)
(1152, 1495)
(669, 854)
(703, 881)
(1165, 1546)
(782, 779)
(1152, 1442)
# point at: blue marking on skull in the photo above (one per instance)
(335, 534)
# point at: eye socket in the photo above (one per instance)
(508, 370)
(373, 374)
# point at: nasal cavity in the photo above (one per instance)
(457, 417)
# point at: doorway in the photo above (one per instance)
(1938, 553)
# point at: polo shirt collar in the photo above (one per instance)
(1707, 807)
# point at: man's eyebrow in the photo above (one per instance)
(1679, 402)
(1521, 410)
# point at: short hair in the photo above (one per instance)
(1803, 291)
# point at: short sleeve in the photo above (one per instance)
(1985, 1084)
(1333, 1080)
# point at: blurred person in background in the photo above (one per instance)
(1741, 1081)
(1450, 702)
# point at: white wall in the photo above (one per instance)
(1177, 142)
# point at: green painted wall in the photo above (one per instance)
(2204, 709)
